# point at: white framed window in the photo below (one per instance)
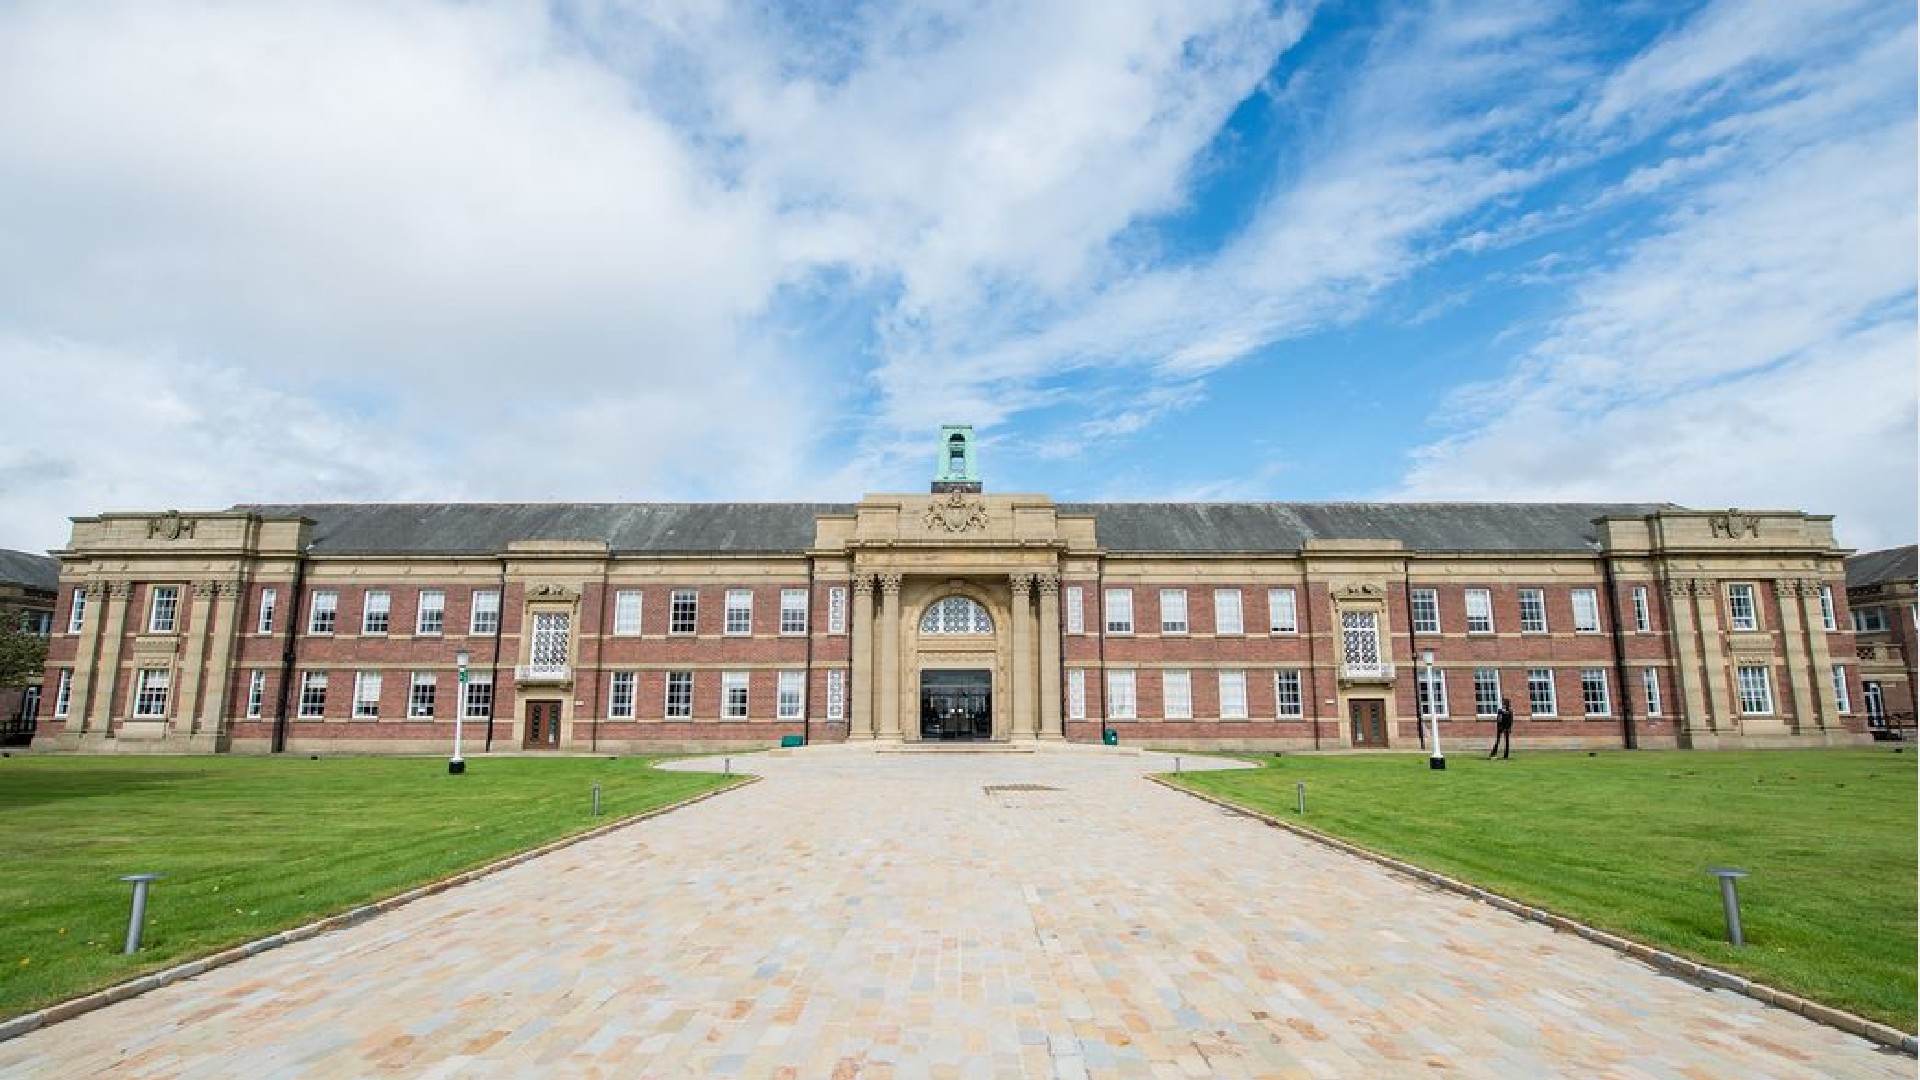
(1120, 700)
(1119, 611)
(1876, 703)
(1642, 615)
(256, 693)
(1283, 615)
(1233, 695)
(1742, 613)
(484, 617)
(683, 611)
(739, 611)
(679, 694)
(1360, 641)
(836, 694)
(551, 645)
(733, 694)
(421, 695)
(1650, 687)
(1541, 700)
(1871, 620)
(1841, 699)
(792, 702)
(1533, 611)
(476, 697)
(366, 694)
(377, 613)
(150, 693)
(1594, 696)
(1426, 611)
(1827, 619)
(1286, 693)
(1173, 611)
(620, 696)
(1227, 615)
(1756, 690)
(269, 607)
(432, 617)
(956, 615)
(77, 612)
(1431, 686)
(163, 609)
(1076, 693)
(1076, 610)
(63, 693)
(1486, 691)
(321, 616)
(626, 613)
(1176, 689)
(1586, 611)
(793, 611)
(313, 694)
(837, 610)
(1479, 611)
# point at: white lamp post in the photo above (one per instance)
(1429, 707)
(457, 764)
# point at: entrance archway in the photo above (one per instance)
(956, 705)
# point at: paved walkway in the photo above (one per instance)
(911, 915)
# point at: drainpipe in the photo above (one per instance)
(1413, 654)
(1303, 611)
(499, 624)
(600, 656)
(286, 654)
(1627, 736)
(806, 700)
(1100, 590)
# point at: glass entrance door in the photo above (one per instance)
(956, 705)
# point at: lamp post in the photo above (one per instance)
(1429, 707)
(457, 764)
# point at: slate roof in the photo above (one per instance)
(777, 528)
(26, 568)
(1882, 567)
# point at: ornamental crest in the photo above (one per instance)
(957, 513)
(1733, 523)
(169, 526)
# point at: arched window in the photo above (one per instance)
(956, 615)
(957, 455)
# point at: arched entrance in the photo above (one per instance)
(956, 705)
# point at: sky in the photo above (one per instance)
(1151, 249)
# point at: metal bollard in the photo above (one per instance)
(1730, 900)
(139, 916)
(1176, 766)
(727, 766)
(1300, 796)
(596, 798)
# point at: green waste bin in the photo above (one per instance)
(792, 740)
(1110, 737)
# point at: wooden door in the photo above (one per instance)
(543, 725)
(1369, 718)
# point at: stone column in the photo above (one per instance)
(220, 650)
(1050, 657)
(1793, 648)
(890, 657)
(107, 671)
(1025, 720)
(1820, 656)
(85, 662)
(1713, 652)
(860, 697)
(1696, 722)
(193, 649)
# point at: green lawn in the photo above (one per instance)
(250, 846)
(1622, 841)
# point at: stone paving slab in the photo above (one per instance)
(1051, 915)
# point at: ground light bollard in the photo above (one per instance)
(726, 766)
(1299, 796)
(1730, 900)
(139, 916)
(596, 798)
(1176, 766)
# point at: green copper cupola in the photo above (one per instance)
(955, 470)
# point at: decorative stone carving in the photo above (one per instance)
(956, 514)
(1734, 524)
(205, 588)
(552, 591)
(119, 590)
(1360, 592)
(170, 526)
(890, 584)
(235, 587)
(863, 584)
(1049, 584)
(1022, 585)
(1679, 587)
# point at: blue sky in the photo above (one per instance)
(1193, 249)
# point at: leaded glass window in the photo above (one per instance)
(1360, 633)
(550, 633)
(956, 615)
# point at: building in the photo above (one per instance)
(1881, 592)
(27, 584)
(955, 614)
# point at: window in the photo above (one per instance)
(433, 612)
(836, 694)
(269, 605)
(37, 623)
(1593, 692)
(420, 698)
(1282, 614)
(1486, 691)
(1827, 619)
(1177, 691)
(320, 618)
(956, 615)
(679, 694)
(30, 703)
(366, 694)
(477, 696)
(63, 693)
(793, 611)
(551, 633)
(1586, 611)
(1840, 699)
(1120, 701)
(1876, 701)
(1076, 615)
(313, 693)
(163, 609)
(150, 696)
(1479, 611)
(793, 695)
(1642, 617)
(1650, 685)
(684, 611)
(1426, 611)
(1533, 611)
(485, 616)
(1756, 690)
(739, 611)
(1741, 613)
(1119, 611)
(256, 693)
(1360, 639)
(1540, 699)
(1431, 686)
(620, 696)
(1226, 612)
(626, 612)
(837, 610)
(1286, 693)
(1870, 620)
(77, 614)
(1076, 694)
(733, 695)
(1233, 695)
(1173, 611)
(374, 617)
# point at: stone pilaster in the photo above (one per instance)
(1793, 648)
(119, 596)
(85, 658)
(193, 651)
(860, 697)
(221, 643)
(1696, 719)
(1026, 720)
(890, 657)
(1722, 711)
(1050, 727)
(1819, 656)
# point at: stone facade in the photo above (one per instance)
(27, 584)
(1886, 609)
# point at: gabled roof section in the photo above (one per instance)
(26, 568)
(1251, 527)
(487, 528)
(1887, 567)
